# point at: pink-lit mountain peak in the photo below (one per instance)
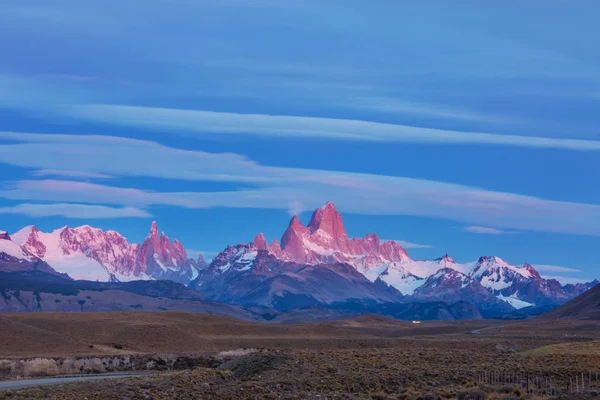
(325, 240)
(161, 249)
(90, 253)
(328, 220)
(154, 229)
(260, 242)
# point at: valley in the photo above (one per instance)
(191, 355)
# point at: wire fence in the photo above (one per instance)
(543, 385)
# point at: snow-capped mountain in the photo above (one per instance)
(13, 258)
(489, 282)
(93, 254)
(312, 264)
(250, 275)
(325, 240)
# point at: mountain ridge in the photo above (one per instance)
(313, 264)
(490, 282)
(90, 253)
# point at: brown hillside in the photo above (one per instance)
(583, 307)
(68, 333)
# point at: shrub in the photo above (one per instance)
(506, 389)
(118, 346)
(472, 395)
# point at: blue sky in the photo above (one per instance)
(465, 128)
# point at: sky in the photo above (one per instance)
(469, 128)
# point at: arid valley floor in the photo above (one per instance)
(194, 356)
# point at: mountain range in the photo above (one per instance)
(88, 253)
(316, 265)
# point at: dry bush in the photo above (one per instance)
(472, 395)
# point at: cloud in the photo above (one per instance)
(269, 187)
(295, 208)
(195, 122)
(564, 280)
(69, 174)
(78, 211)
(410, 245)
(86, 192)
(485, 230)
(399, 106)
(554, 268)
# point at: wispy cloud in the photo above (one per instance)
(272, 187)
(400, 106)
(69, 174)
(554, 268)
(411, 245)
(78, 211)
(194, 122)
(86, 192)
(485, 230)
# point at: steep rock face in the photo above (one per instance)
(158, 258)
(325, 241)
(93, 254)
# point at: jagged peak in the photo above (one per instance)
(328, 220)
(529, 268)
(445, 258)
(23, 234)
(327, 211)
(328, 206)
(491, 259)
(373, 236)
(260, 242)
(295, 221)
(4, 235)
(295, 228)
